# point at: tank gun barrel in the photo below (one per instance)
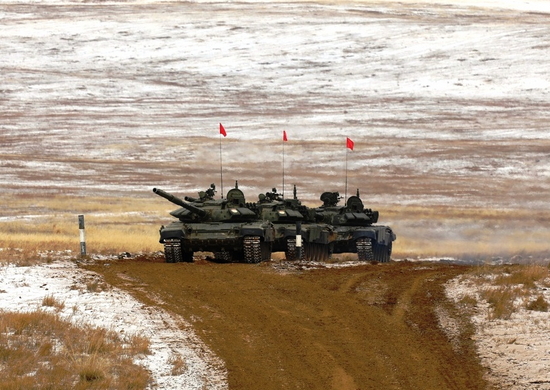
(174, 199)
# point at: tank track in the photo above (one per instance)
(291, 250)
(364, 249)
(172, 251)
(252, 249)
(256, 250)
(224, 256)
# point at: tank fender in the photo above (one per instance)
(166, 234)
(268, 234)
(288, 232)
(385, 236)
(364, 233)
(389, 236)
(317, 234)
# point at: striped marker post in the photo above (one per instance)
(82, 235)
(299, 240)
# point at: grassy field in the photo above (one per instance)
(116, 225)
(64, 355)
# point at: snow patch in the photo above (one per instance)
(22, 289)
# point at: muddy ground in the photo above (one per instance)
(281, 325)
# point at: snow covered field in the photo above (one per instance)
(516, 349)
(446, 102)
(24, 288)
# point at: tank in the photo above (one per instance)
(290, 218)
(225, 227)
(355, 228)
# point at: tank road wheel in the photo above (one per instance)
(187, 256)
(252, 249)
(266, 250)
(172, 251)
(382, 253)
(224, 256)
(290, 252)
(364, 249)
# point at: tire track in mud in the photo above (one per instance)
(278, 326)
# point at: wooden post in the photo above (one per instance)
(82, 235)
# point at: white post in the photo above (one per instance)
(82, 235)
(299, 248)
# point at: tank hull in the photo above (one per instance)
(316, 241)
(241, 242)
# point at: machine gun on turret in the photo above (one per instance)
(330, 199)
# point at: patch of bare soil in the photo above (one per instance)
(281, 326)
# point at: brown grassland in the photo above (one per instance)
(38, 350)
(115, 225)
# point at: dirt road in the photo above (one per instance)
(280, 326)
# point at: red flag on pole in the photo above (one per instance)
(222, 130)
(285, 138)
(349, 143)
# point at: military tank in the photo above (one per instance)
(290, 218)
(355, 229)
(225, 227)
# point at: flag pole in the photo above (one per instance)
(284, 136)
(346, 186)
(349, 145)
(224, 133)
(221, 166)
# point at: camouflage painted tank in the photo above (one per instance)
(225, 227)
(288, 215)
(355, 229)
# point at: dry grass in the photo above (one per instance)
(40, 351)
(527, 276)
(502, 300)
(178, 365)
(507, 288)
(538, 304)
(467, 232)
(51, 301)
(115, 225)
(50, 227)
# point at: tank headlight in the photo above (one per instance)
(282, 213)
(234, 211)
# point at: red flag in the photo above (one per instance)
(284, 136)
(222, 131)
(349, 143)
